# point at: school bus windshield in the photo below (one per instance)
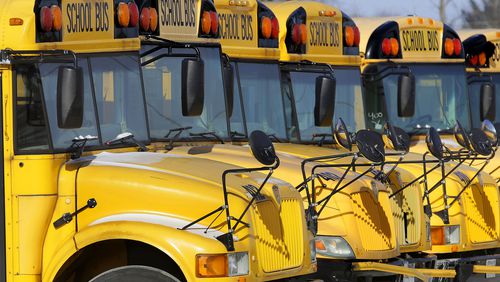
(113, 89)
(441, 99)
(261, 99)
(348, 100)
(474, 95)
(163, 84)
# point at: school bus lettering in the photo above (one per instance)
(420, 40)
(496, 55)
(178, 13)
(87, 19)
(82, 18)
(324, 34)
(236, 27)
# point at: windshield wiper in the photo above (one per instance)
(208, 134)
(322, 137)
(273, 136)
(179, 131)
(78, 145)
(127, 137)
(237, 134)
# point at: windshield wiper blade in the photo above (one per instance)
(237, 134)
(78, 145)
(179, 131)
(127, 137)
(322, 137)
(208, 134)
(273, 136)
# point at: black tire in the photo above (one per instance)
(133, 273)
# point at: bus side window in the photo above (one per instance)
(31, 126)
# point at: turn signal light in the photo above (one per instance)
(56, 17)
(474, 60)
(214, 19)
(145, 18)
(134, 14)
(386, 46)
(206, 22)
(437, 235)
(154, 19)
(394, 47)
(51, 18)
(275, 28)
(266, 27)
(357, 36)
(457, 46)
(482, 58)
(211, 266)
(349, 36)
(123, 14)
(448, 46)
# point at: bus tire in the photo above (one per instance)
(132, 273)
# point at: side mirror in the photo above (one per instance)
(461, 136)
(325, 101)
(228, 73)
(490, 131)
(434, 143)
(342, 136)
(193, 91)
(406, 96)
(371, 145)
(69, 97)
(262, 147)
(487, 104)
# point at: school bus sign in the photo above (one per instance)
(87, 20)
(418, 42)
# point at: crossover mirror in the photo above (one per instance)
(342, 136)
(193, 92)
(262, 147)
(371, 145)
(406, 96)
(325, 101)
(487, 105)
(69, 97)
(396, 138)
(480, 142)
(490, 131)
(461, 136)
(434, 143)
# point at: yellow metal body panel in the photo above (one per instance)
(345, 213)
(387, 268)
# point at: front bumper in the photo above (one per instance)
(476, 268)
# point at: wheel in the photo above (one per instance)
(133, 273)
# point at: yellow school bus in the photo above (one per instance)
(79, 202)
(482, 55)
(187, 116)
(465, 220)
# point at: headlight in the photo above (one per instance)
(237, 264)
(445, 235)
(222, 265)
(335, 247)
